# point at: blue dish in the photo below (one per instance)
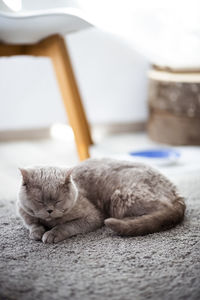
(156, 153)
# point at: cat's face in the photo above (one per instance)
(47, 192)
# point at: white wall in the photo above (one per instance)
(111, 77)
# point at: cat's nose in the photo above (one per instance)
(49, 211)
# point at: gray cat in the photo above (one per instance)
(130, 198)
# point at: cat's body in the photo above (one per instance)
(130, 198)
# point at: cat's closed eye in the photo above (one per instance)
(59, 201)
(39, 201)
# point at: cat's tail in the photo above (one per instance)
(154, 222)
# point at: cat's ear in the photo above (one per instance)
(25, 175)
(68, 175)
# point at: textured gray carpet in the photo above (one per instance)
(99, 265)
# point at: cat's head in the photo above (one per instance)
(47, 192)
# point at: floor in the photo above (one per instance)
(99, 265)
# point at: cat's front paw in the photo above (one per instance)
(37, 233)
(53, 236)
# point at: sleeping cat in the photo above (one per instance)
(130, 198)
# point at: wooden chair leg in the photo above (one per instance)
(55, 48)
(9, 50)
(71, 96)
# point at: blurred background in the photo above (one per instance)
(131, 64)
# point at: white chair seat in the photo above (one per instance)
(29, 27)
(165, 34)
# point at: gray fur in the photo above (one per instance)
(130, 198)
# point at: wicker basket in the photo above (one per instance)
(174, 107)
